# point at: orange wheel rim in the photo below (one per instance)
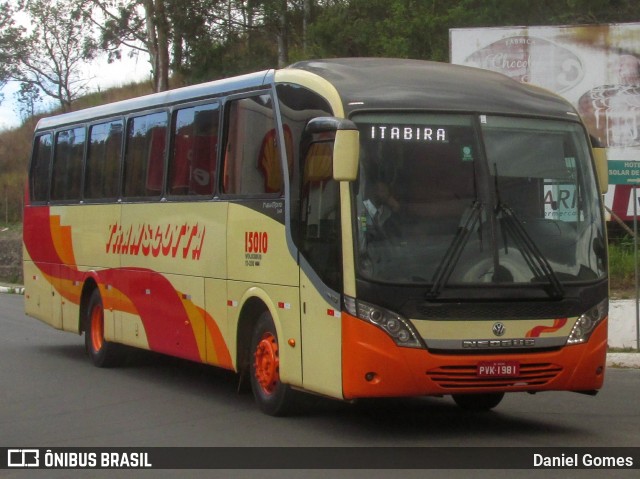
(97, 328)
(267, 363)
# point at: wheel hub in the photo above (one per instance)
(267, 363)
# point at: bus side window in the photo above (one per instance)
(252, 154)
(67, 164)
(144, 157)
(192, 165)
(102, 169)
(269, 159)
(40, 164)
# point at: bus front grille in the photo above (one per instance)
(463, 377)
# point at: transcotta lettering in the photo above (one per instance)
(172, 241)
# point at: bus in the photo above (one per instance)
(350, 228)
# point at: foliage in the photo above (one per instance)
(621, 263)
(419, 29)
(10, 42)
(14, 150)
(141, 25)
(29, 97)
(49, 58)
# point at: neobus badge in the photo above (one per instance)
(408, 133)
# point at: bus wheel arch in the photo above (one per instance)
(87, 289)
(251, 311)
(258, 359)
(102, 353)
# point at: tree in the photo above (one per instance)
(288, 21)
(306, 20)
(28, 97)
(137, 25)
(11, 43)
(52, 56)
(158, 41)
(282, 33)
(359, 28)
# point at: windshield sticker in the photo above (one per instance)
(560, 202)
(467, 153)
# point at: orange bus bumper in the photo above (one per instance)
(373, 366)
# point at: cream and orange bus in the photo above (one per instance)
(351, 228)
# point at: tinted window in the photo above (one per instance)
(298, 105)
(39, 175)
(252, 154)
(103, 160)
(320, 220)
(144, 159)
(192, 166)
(67, 165)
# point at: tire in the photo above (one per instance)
(478, 402)
(103, 353)
(272, 396)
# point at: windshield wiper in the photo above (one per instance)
(467, 225)
(536, 261)
(534, 258)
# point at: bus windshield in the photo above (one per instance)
(449, 200)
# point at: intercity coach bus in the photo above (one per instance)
(351, 228)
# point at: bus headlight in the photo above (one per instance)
(586, 323)
(397, 327)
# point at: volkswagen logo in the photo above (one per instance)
(498, 329)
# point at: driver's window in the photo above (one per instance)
(320, 211)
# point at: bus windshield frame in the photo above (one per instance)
(460, 201)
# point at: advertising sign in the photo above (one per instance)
(595, 67)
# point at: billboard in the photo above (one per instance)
(595, 67)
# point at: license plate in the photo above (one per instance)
(498, 369)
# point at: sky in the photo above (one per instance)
(100, 74)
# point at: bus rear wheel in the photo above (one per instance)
(272, 396)
(478, 402)
(103, 353)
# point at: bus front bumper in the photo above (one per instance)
(374, 366)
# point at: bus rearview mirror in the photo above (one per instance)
(600, 157)
(346, 150)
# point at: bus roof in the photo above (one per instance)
(156, 100)
(381, 83)
(367, 83)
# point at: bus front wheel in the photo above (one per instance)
(272, 396)
(478, 402)
(103, 353)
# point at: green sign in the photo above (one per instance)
(624, 172)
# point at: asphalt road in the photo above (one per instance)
(51, 396)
